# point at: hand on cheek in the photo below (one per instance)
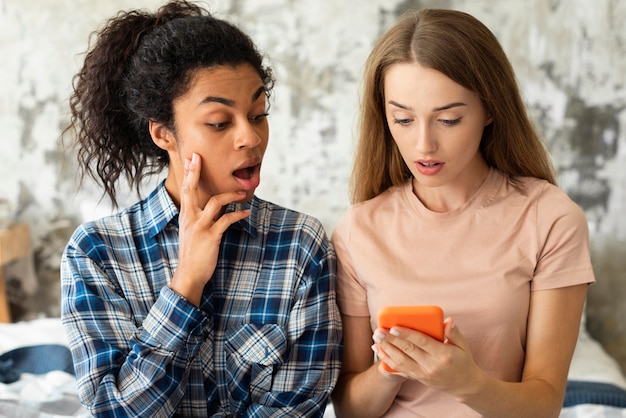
(200, 233)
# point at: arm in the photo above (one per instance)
(124, 368)
(553, 324)
(364, 388)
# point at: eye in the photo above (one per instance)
(219, 126)
(258, 118)
(403, 122)
(450, 122)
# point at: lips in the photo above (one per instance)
(428, 167)
(248, 176)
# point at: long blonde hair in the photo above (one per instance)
(465, 50)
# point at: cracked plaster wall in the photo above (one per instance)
(570, 57)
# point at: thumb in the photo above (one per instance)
(452, 334)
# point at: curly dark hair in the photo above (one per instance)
(140, 63)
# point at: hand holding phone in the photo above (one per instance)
(425, 318)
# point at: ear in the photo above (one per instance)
(489, 120)
(162, 136)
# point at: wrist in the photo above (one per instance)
(388, 376)
(189, 291)
(472, 388)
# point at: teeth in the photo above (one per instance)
(429, 164)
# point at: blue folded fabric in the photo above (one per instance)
(36, 359)
(580, 392)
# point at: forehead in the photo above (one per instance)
(229, 82)
(412, 82)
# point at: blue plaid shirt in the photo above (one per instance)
(265, 341)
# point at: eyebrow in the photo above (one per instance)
(228, 102)
(436, 109)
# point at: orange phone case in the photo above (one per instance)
(426, 318)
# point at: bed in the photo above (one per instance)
(596, 386)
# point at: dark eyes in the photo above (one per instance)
(223, 125)
(219, 125)
(258, 118)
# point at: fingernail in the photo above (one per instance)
(394, 332)
(194, 158)
(186, 163)
(375, 349)
(378, 337)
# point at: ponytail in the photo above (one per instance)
(109, 140)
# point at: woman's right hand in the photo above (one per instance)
(446, 366)
(200, 233)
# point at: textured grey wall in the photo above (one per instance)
(570, 57)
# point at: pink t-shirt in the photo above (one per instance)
(479, 263)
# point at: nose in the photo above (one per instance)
(247, 136)
(425, 139)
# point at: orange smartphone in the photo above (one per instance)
(425, 318)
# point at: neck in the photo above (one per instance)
(451, 196)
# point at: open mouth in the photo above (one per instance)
(245, 173)
(249, 177)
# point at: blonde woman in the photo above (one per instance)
(455, 205)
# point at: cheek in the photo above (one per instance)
(263, 135)
(401, 138)
(264, 132)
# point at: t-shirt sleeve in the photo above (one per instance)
(351, 295)
(564, 258)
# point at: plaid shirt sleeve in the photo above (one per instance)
(124, 368)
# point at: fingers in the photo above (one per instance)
(213, 209)
(223, 222)
(189, 189)
(386, 364)
(453, 335)
(400, 348)
(394, 351)
(406, 340)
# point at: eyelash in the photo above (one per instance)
(446, 122)
(259, 118)
(254, 119)
(451, 122)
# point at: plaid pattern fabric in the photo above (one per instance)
(265, 341)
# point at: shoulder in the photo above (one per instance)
(109, 231)
(276, 217)
(286, 226)
(552, 206)
(549, 198)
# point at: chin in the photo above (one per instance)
(248, 197)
